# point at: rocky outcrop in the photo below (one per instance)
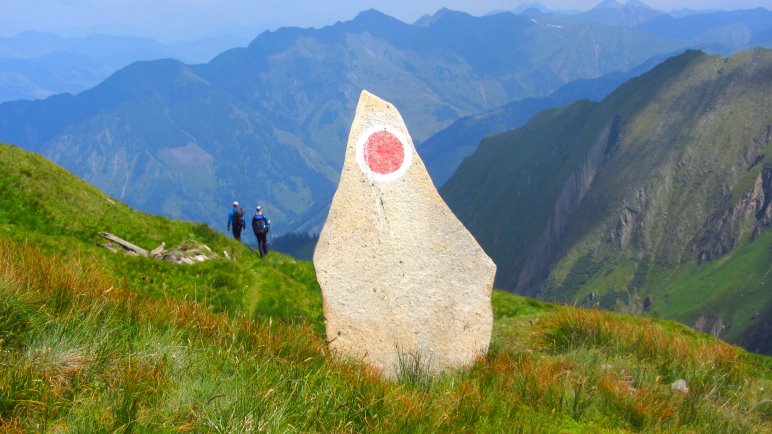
(763, 189)
(189, 252)
(405, 285)
(710, 324)
(574, 190)
(727, 227)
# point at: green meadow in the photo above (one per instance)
(95, 341)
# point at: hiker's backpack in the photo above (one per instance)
(238, 218)
(260, 224)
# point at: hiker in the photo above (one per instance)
(260, 226)
(236, 220)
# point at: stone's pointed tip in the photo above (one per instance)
(368, 98)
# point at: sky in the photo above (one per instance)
(180, 20)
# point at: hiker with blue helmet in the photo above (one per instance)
(236, 220)
(260, 226)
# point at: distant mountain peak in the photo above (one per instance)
(530, 7)
(630, 14)
(373, 19)
(532, 13)
(428, 20)
(369, 14)
(614, 4)
(609, 4)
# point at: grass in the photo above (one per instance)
(736, 286)
(92, 341)
(47, 206)
(81, 353)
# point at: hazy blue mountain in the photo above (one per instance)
(103, 47)
(114, 49)
(763, 39)
(300, 246)
(51, 73)
(269, 122)
(657, 199)
(610, 12)
(718, 31)
(631, 13)
(685, 12)
(444, 151)
(525, 6)
(733, 29)
(35, 65)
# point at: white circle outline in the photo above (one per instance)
(360, 153)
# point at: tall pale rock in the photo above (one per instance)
(403, 281)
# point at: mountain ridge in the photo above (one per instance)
(35, 65)
(444, 151)
(626, 186)
(267, 122)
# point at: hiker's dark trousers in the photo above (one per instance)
(262, 244)
(237, 232)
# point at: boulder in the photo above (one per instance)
(405, 285)
(189, 252)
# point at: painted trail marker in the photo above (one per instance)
(403, 281)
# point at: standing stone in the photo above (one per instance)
(404, 283)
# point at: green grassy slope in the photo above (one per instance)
(47, 207)
(684, 165)
(92, 341)
(636, 202)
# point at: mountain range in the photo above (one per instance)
(657, 199)
(35, 65)
(444, 150)
(268, 123)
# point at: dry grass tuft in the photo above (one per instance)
(570, 328)
(79, 353)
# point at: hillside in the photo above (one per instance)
(97, 341)
(444, 150)
(267, 123)
(48, 208)
(654, 200)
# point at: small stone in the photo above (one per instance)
(680, 386)
(109, 247)
(158, 251)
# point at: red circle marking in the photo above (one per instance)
(384, 152)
